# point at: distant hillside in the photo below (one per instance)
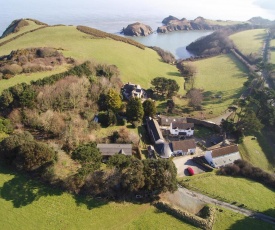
(172, 23)
(17, 24)
(137, 65)
(261, 21)
(217, 42)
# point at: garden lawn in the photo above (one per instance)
(252, 151)
(136, 65)
(25, 204)
(27, 78)
(249, 41)
(223, 76)
(240, 191)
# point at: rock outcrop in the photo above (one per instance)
(172, 23)
(137, 29)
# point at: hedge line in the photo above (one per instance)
(20, 35)
(206, 224)
(101, 34)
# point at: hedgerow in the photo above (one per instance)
(101, 34)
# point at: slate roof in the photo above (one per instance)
(112, 149)
(164, 150)
(224, 151)
(166, 121)
(154, 131)
(181, 125)
(184, 145)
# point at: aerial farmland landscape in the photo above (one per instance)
(137, 115)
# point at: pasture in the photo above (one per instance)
(251, 150)
(135, 65)
(27, 204)
(243, 192)
(272, 52)
(249, 41)
(27, 78)
(221, 79)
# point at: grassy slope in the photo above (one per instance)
(223, 23)
(272, 53)
(32, 25)
(27, 78)
(249, 41)
(136, 65)
(226, 219)
(253, 195)
(253, 152)
(222, 75)
(24, 202)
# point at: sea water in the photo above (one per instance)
(109, 19)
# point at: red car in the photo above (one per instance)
(191, 171)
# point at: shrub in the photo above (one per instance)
(23, 152)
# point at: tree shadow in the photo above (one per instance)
(89, 202)
(174, 74)
(253, 223)
(22, 191)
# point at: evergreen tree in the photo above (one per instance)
(149, 108)
(134, 110)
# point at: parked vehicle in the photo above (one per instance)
(191, 171)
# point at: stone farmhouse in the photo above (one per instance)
(130, 90)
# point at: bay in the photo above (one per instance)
(109, 19)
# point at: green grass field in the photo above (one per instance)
(223, 23)
(249, 41)
(26, 204)
(272, 53)
(221, 75)
(226, 219)
(32, 25)
(252, 151)
(136, 65)
(245, 192)
(27, 78)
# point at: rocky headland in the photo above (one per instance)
(172, 23)
(137, 29)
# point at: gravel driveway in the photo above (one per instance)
(183, 162)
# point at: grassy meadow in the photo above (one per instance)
(136, 65)
(249, 41)
(251, 150)
(223, 23)
(247, 193)
(27, 204)
(222, 75)
(272, 53)
(27, 78)
(32, 25)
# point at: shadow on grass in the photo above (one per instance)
(252, 223)
(89, 202)
(174, 74)
(22, 191)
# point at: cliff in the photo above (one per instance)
(172, 23)
(137, 29)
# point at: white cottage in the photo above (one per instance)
(179, 128)
(222, 156)
(184, 147)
